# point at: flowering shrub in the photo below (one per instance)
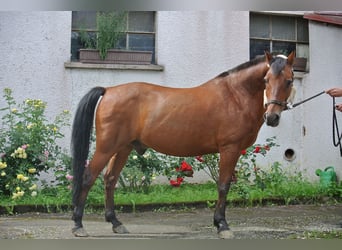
(246, 166)
(140, 170)
(184, 170)
(28, 145)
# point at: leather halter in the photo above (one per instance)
(276, 102)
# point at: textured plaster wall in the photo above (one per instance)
(307, 129)
(33, 48)
(325, 72)
(193, 47)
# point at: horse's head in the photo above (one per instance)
(279, 86)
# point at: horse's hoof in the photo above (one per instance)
(80, 232)
(121, 229)
(226, 234)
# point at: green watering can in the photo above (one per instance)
(327, 176)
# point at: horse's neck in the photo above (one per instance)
(252, 79)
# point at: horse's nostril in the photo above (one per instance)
(272, 119)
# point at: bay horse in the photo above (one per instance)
(222, 115)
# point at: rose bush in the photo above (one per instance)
(246, 167)
(28, 145)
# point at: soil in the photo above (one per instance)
(268, 222)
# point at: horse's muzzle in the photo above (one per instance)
(272, 119)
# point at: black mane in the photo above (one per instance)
(277, 65)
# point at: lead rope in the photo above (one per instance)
(337, 137)
(291, 106)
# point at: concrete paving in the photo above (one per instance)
(270, 222)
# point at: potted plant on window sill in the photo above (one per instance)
(111, 27)
(299, 64)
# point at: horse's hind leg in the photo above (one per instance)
(111, 177)
(91, 172)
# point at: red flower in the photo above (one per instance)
(243, 152)
(267, 147)
(186, 169)
(180, 179)
(176, 183)
(257, 149)
(185, 166)
(199, 158)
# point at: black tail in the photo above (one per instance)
(80, 138)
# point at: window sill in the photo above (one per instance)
(79, 65)
(299, 74)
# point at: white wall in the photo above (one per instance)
(193, 47)
(33, 48)
(325, 72)
(307, 129)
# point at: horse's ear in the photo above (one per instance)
(291, 57)
(269, 57)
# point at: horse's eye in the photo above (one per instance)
(289, 82)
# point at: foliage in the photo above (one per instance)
(246, 167)
(28, 145)
(110, 29)
(141, 170)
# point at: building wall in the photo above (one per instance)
(33, 48)
(192, 47)
(325, 72)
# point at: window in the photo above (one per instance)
(139, 34)
(278, 33)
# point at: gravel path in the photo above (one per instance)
(270, 222)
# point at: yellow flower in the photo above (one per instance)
(34, 193)
(31, 170)
(14, 110)
(55, 129)
(24, 155)
(33, 187)
(17, 188)
(18, 194)
(134, 157)
(20, 176)
(3, 165)
(25, 178)
(3, 173)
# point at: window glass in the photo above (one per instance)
(259, 26)
(258, 47)
(278, 33)
(84, 20)
(139, 35)
(302, 30)
(283, 47)
(283, 28)
(141, 21)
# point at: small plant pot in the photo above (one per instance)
(116, 56)
(299, 64)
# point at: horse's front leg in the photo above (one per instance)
(227, 164)
(111, 177)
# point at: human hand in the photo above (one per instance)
(339, 107)
(334, 92)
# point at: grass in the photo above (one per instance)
(57, 199)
